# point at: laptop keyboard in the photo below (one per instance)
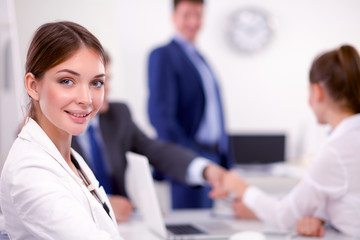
(183, 229)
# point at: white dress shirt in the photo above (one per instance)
(330, 190)
(42, 198)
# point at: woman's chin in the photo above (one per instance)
(78, 131)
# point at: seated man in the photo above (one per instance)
(113, 132)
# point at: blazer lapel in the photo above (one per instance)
(34, 133)
(182, 55)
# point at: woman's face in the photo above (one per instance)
(71, 93)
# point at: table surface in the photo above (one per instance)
(278, 183)
(135, 229)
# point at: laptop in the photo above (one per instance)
(141, 190)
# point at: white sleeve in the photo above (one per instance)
(306, 199)
(302, 201)
(48, 209)
(194, 172)
(328, 173)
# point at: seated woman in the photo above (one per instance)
(47, 190)
(331, 190)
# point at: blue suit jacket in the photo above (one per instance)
(176, 106)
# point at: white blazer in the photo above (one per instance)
(42, 198)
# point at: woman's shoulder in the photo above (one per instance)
(329, 169)
(24, 151)
(27, 156)
(27, 163)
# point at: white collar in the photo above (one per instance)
(34, 133)
(346, 125)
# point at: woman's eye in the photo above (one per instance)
(98, 84)
(66, 82)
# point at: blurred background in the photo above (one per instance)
(264, 91)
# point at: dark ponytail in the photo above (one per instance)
(339, 71)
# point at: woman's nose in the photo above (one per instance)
(84, 96)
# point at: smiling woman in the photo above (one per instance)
(70, 93)
(47, 190)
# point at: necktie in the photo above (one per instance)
(98, 161)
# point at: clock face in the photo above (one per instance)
(249, 30)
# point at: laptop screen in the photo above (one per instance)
(258, 148)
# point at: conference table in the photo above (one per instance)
(278, 181)
(135, 228)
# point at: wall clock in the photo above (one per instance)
(249, 30)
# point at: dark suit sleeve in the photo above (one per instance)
(170, 159)
(162, 105)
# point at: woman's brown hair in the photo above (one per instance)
(55, 42)
(339, 71)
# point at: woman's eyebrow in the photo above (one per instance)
(69, 71)
(78, 74)
(100, 75)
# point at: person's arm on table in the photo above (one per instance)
(122, 207)
(311, 227)
(241, 210)
(282, 213)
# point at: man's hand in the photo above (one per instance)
(310, 226)
(214, 175)
(122, 208)
(242, 211)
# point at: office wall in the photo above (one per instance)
(96, 15)
(262, 92)
(9, 62)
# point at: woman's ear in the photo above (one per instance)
(31, 85)
(318, 92)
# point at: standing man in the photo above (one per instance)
(184, 104)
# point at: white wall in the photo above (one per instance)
(98, 16)
(9, 63)
(263, 92)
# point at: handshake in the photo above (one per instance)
(223, 183)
